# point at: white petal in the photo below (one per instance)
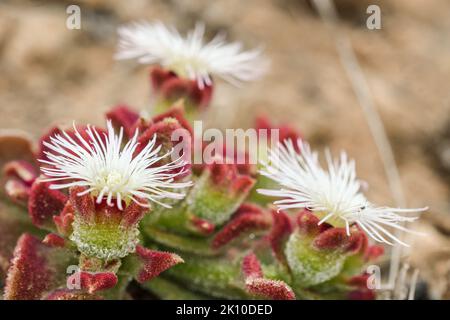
(334, 192)
(103, 166)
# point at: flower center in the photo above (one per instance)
(114, 179)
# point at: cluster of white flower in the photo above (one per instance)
(115, 173)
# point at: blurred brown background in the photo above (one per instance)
(51, 74)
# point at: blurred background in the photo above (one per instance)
(51, 74)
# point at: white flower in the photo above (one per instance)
(333, 194)
(109, 171)
(189, 56)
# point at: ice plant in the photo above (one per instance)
(334, 194)
(106, 196)
(231, 246)
(235, 248)
(95, 225)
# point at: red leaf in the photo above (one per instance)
(331, 239)
(17, 191)
(93, 282)
(67, 294)
(359, 281)
(361, 295)
(308, 223)
(84, 205)
(28, 276)
(281, 229)
(175, 88)
(20, 175)
(201, 97)
(271, 289)
(82, 130)
(356, 242)
(251, 266)
(257, 285)
(238, 225)
(203, 226)
(227, 176)
(164, 131)
(175, 112)
(123, 116)
(154, 262)
(133, 213)
(159, 75)
(285, 131)
(64, 220)
(14, 221)
(53, 240)
(22, 170)
(373, 252)
(44, 203)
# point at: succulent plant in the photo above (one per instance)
(116, 205)
(74, 231)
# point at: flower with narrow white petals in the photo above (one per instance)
(109, 171)
(334, 194)
(154, 43)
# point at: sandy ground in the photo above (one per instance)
(51, 74)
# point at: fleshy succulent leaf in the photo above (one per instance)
(53, 240)
(19, 176)
(164, 130)
(22, 170)
(17, 191)
(64, 220)
(202, 226)
(14, 221)
(123, 116)
(256, 284)
(36, 269)
(150, 263)
(67, 294)
(251, 266)
(331, 239)
(44, 203)
(374, 252)
(175, 112)
(241, 223)
(170, 88)
(94, 282)
(281, 229)
(271, 289)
